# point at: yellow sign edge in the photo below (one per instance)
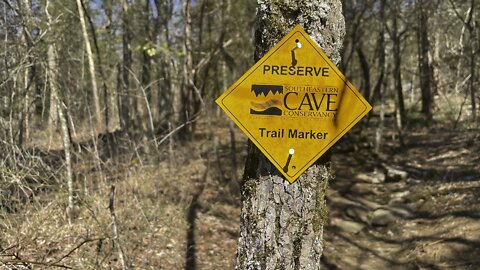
(348, 85)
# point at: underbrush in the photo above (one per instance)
(133, 209)
(149, 217)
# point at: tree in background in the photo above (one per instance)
(60, 109)
(91, 67)
(427, 83)
(470, 22)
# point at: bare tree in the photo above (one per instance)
(427, 83)
(52, 72)
(29, 70)
(186, 93)
(166, 66)
(471, 25)
(91, 66)
(126, 67)
(396, 36)
(380, 86)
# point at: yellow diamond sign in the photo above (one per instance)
(294, 104)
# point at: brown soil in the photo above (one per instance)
(440, 226)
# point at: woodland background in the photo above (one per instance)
(113, 153)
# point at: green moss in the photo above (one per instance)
(297, 249)
(249, 188)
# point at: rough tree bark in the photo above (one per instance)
(281, 223)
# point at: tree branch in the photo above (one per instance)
(87, 240)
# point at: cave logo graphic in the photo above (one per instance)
(272, 106)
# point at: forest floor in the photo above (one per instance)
(410, 207)
(425, 215)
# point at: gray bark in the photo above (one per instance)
(91, 67)
(25, 10)
(281, 223)
(471, 24)
(186, 100)
(126, 110)
(380, 87)
(58, 105)
(397, 68)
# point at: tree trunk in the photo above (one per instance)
(165, 66)
(377, 91)
(397, 69)
(365, 70)
(112, 108)
(281, 223)
(469, 23)
(425, 66)
(125, 104)
(186, 98)
(111, 121)
(52, 72)
(380, 86)
(91, 67)
(472, 85)
(473, 62)
(26, 12)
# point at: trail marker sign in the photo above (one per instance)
(294, 104)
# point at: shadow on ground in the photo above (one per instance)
(425, 219)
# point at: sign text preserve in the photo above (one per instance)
(294, 104)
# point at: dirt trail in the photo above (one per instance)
(424, 215)
(414, 208)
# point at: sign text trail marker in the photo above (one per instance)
(294, 104)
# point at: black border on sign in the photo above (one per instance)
(328, 145)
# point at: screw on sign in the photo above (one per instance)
(294, 104)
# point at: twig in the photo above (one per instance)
(37, 263)
(175, 130)
(461, 106)
(111, 207)
(88, 240)
(19, 260)
(8, 248)
(199, 95)
(147, 103)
